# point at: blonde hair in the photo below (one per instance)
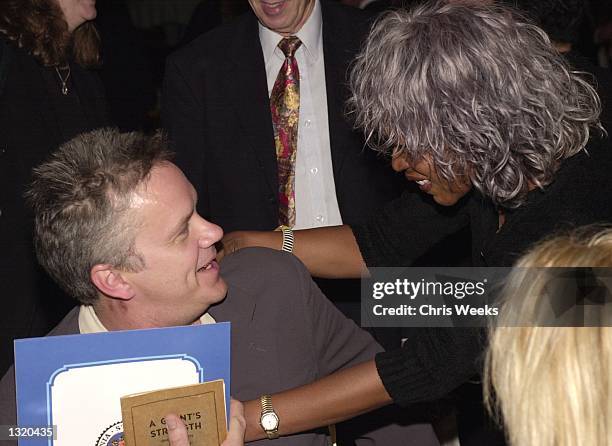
(552, 386)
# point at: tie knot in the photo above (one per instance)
(289, 45)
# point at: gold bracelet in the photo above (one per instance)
(288, 240)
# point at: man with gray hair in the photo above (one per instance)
(116, 227)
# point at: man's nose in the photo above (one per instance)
(399, 163)
(209, 233)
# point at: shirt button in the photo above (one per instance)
(314, 170)
(308, 123)
(319, 218)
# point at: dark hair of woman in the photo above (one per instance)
(39, 27)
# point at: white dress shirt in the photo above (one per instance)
(315, 192)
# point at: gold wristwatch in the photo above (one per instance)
(269, 420)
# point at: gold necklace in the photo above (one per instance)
(63, 80)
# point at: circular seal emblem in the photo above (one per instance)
(112, 435)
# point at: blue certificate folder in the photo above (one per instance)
(75, 381)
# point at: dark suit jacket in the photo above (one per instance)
(216, 109)
(29, 132)
(284, 333)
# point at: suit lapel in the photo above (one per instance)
(247, 86)
(336, 50)
(248, 89)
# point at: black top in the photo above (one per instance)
(70, 116)
(412, 224)
(35, 118)
(441, 359)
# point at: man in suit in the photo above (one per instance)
(116, 227)
(216, 109)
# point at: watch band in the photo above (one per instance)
(288, 239)
(267, 409)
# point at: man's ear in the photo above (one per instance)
(111, 282)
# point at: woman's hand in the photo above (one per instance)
(334, 398)
(330, 252)
(235, 241)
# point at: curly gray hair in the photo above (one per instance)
(476, 89)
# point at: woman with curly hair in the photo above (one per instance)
(476, 108)
(49, 93)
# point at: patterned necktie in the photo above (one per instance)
(285, 107)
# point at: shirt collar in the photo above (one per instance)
(90, 323)
(310, 34)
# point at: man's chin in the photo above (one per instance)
(220, 292)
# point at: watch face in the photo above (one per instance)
(269, 421)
